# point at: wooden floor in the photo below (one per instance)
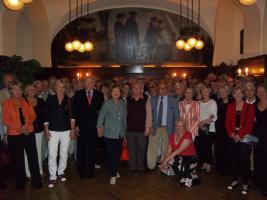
(151, 186)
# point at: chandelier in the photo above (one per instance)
(15, 5)
(190, 36)
(247, 2)
(77, 45)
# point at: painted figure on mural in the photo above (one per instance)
(132, 31)
(120, 37)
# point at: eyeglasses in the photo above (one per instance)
(161, 88)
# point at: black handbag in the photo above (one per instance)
(5, 156)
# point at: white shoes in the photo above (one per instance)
(97, 166)
(118, 175)
(113, 180)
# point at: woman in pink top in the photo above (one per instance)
(189, 112)
(181, 156)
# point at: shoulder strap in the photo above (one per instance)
(245, 120)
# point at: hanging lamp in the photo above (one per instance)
(180, 42)
(13, 5)
(88, 44)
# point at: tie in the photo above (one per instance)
(160, 112)
(89, 97)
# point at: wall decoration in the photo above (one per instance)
(128, 36)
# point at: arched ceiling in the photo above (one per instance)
(50, 16)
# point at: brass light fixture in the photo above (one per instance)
(180, 42)
(26, 1)
(13, 5)
(88, 45)
(247, 2)
(76, 44)
(190, 36)
(69, 45)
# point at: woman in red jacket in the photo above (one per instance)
(239, 123)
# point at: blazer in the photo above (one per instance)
(172, 114)
(11, 117)
(247, 116)
(113, 119)
(85, 114)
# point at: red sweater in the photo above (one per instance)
(247, 116)
(189, 151)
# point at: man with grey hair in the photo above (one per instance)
(87, 103)
(179, 91)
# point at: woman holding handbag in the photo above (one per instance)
(239, 123)
(19, 116)
(208, 116)
(111, 124)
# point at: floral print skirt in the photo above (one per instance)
(184, 168)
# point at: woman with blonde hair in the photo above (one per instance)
(38, 106)
(181, 155)
(59, 129)
(18, 117)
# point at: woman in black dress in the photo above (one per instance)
(222, 139)
(260, 152)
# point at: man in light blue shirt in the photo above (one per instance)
(164, 114)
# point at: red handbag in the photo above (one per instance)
(124, 151)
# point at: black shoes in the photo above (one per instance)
(85, 174)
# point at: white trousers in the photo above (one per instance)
(38, 139)
(62, 138)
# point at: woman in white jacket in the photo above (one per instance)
(208, 116)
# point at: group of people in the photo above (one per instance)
(178, 125)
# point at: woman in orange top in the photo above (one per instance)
(18, 116)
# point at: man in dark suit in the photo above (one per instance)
(87, 103)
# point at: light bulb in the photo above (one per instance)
(13, 4)
(82, 48)
(88, 46)
(247, 2)
(187, 47)
(199, 44)
(76, 45)
(26, 1)
(180, 44)
(69, 47)
(192, 41)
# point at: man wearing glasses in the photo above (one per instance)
(164, 114)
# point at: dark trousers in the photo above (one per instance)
(137, 150)
(222, 153)
(240, 160)
(17, 145)
(113, 148)
(87, 147)
(205, 147)
(260, 165)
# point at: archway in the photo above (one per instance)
(40, 32)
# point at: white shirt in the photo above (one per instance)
(251, 102)
(206, 110)
(164, 110)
